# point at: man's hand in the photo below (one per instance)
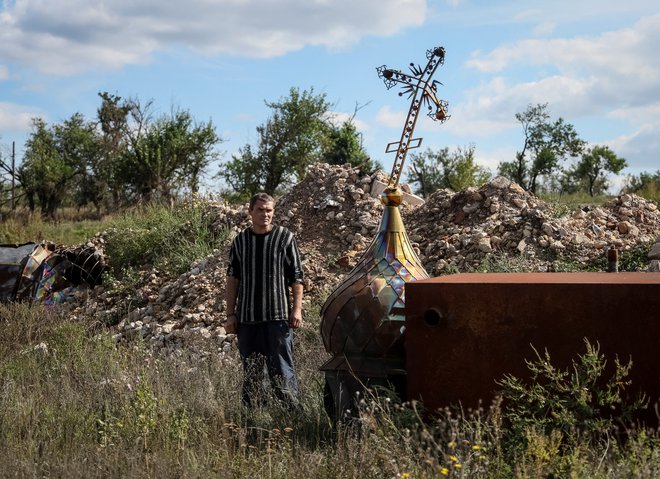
(295, 319)
(230, 324)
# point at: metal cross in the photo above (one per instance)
(422, 90)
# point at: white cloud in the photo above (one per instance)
(614, 75)
(339, 117)
(69, 36)
(17, 118)
(544, 29)
(622, 63)
(491, 159)
(390, 119)
(4, 73)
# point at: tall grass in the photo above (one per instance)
(74, 403)
(23, 227)
(168, 238)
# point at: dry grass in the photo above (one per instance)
(73, 405)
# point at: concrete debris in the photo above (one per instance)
(334, 215)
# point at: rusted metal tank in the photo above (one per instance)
(465, 331)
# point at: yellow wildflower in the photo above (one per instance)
(444, 471)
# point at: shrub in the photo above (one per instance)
(577, 405)
(170, 239)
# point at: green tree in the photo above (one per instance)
(434, 170)
(645, 184)
(165, 155)
(113, 117)
(593, 165)
(290, 140)
(80, 146)
(242, 173)
(53, 157)
(546, 143)
(343, 146)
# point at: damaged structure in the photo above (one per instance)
(46, 273)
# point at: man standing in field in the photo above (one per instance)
(264, 265)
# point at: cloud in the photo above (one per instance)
(613, 75)
(641, 147)
(390, 119)
(69, 36)
(544, 29)
(17, 118)
(618, 66)
(4, 73)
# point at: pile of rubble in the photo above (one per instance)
(334, 215)
(456, 231)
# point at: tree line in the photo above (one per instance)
(128, 155)
(539, 166)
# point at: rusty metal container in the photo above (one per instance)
(465, 331)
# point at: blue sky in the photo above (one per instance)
(595, 62)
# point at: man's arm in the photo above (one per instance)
(231, 294)
(296, 319)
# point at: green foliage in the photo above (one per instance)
(170, 239)
(76, 405)
(592, 167)
(566, 204)
(125, 157)
(646, 185)
(54, 156)
(545, 145)
(22, 227)
(343, 146)
(167, 155)
(290, 140)
(571, 406)
(434, 170)
(635, 258)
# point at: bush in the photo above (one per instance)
(169, 239)
(573, 406)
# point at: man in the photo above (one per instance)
(264, 263)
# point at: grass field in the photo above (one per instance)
(73, 403)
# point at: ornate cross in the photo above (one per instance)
(422, 90)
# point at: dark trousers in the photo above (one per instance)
(268, 345)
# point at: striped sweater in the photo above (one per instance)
(266, 265)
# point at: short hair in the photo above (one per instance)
(265, 197)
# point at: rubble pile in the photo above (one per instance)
(335, 218)
(456, 231)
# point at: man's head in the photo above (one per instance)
(262, 207)
(265, 197)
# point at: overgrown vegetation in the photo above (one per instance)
(576, 405)
(128, 155)
(167, 238)
(76, 405)
(24, 227)
(73, 403)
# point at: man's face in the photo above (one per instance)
(262, 214)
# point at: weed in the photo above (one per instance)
(578, 404)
